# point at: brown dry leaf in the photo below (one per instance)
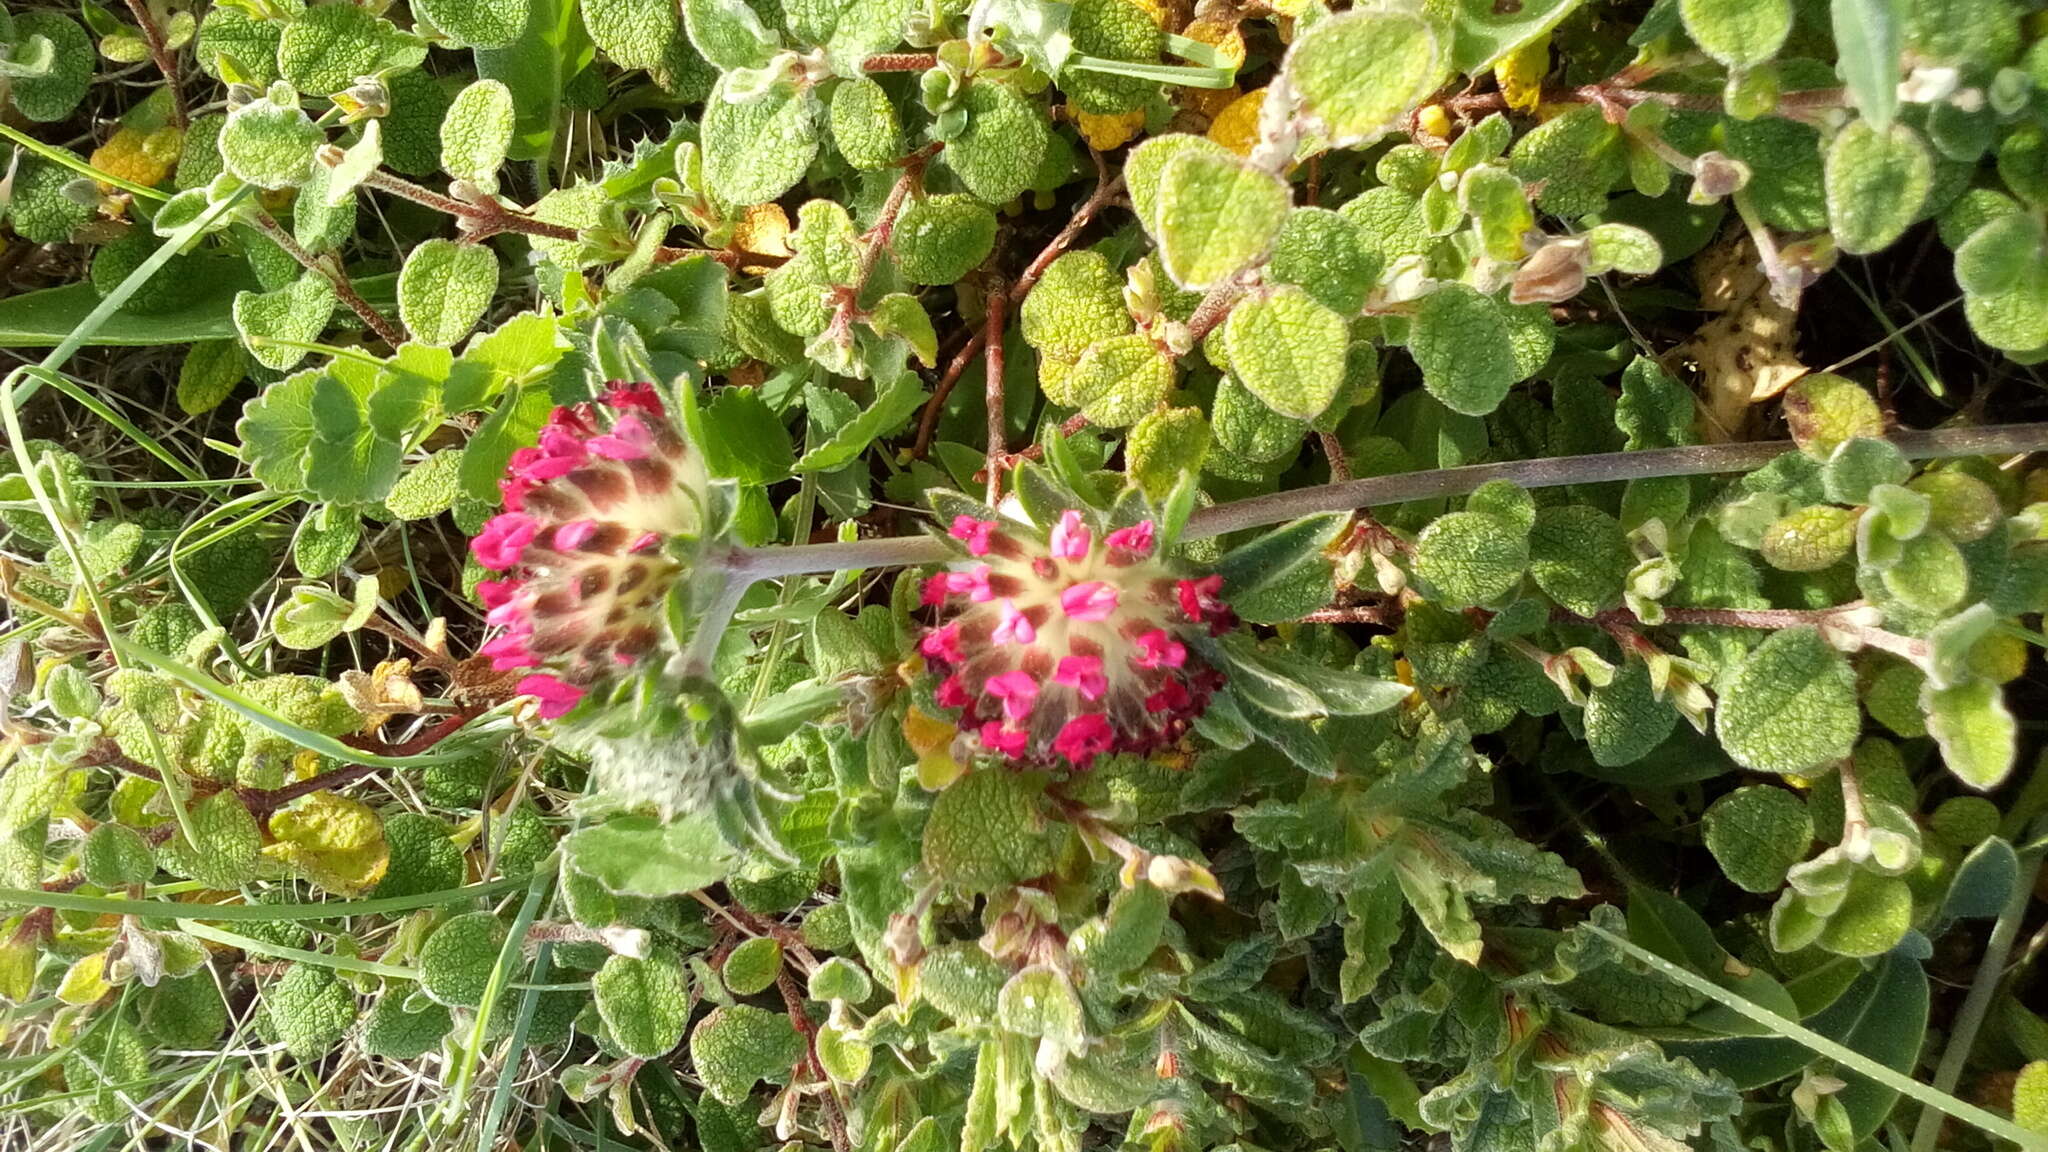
(764, 232)
(1746, 353)
(382, 693)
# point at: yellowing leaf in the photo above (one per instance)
(1112, 130)
(337, 842)
(1521, 74)
(1237, 126)
(139, 157)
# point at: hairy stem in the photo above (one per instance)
(998, 446)
(1279, 507)
(479, 220)
(331, 270)
(166, 61)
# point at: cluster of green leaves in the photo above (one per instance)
(1610, 757)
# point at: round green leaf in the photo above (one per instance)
(938, 239)
(297, 313)
(1360, 72)
(270, 142)
(644, 1002)
(1624, 719)
(1217, 216)
(1470, 558)
(456, 961)
(1738, 33)
(1117, 380)
(1876, 184)
(444, 289)
(757, 149)
(1976, 731)
(1756, 833)
(476, 23)
(865, 125)
(52, 96)
(1789, 706)
(1580, 557)
(1005, 139)
(1461, 341)
(476, 132)
(327, 46)
(1288, 350)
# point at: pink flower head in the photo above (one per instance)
(1158, 649)
(1136, 540)
(1056, 651)
(1084, 738)
(1084, 675)
(1014, 627)
(1092, 602)
(943, 643)
(1017, 690)
(591, 509)
(974, 532)
(504, 538)
(557, 697)
(1071, 539)
(1004, 740)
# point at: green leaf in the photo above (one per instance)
(865, 124)
(1470, 558)
(938, 239)
(1117, 380)
(477, 132)
(2030, 1097)
(998, 154)
(728, 34)
(1362, 71)
(1271, 577)
(1217, 216)
(537, 67)
(224, 852)
(457, 960)
(1486, 31)
(1580, 557)
(444, 289)
(1461, 341)
(325, 47)
(1867, 46)
(53, 95)
(1877, 182)
(1789, 706)
(736, 1047)
(1740, 34)
(987, 831)
(477, 23)
(297, 313)
(645, 1003)
(1976, 731)
(1756, 833)
(269, 142)
(849, 31)
(1984, 882)
(1288, 350)
(893, 404)
(640, 856)
(758, 148)
(1625, 721)
(1164, 445)
(362, 421)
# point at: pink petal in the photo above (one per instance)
(1015, 627)
(1092, 601)
(1084, 675)
(504, 538)
(1070, 537)
(557, 697)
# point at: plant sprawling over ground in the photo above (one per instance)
(906, 575)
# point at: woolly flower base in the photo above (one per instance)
(1063, 647)
(585, 541)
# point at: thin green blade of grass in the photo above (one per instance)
(175, 909)
(252, 945)
(1820, 1045)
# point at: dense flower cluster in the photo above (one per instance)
(588, 512)
(1073, 645)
